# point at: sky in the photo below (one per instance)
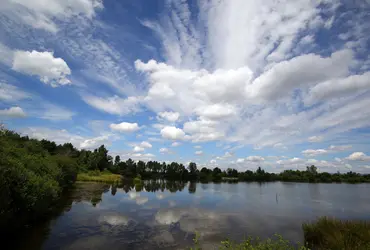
(224, 83)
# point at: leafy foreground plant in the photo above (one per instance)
(329, 233)
(276, 243)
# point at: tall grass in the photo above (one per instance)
(328, 233)
(99, 177)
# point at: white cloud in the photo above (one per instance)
(331, 149)
(13, 112)
(138, 149)
(146, 144)
(268, 54)
(358, 156)
(225, 156)
(93, 143)
(41, 15)
(135, 156)
(255, 158)
(124, 127)
(172, 133)
(212, 161)
(169, 116)
(303, 70)
(163, 150)
(314, 152)
(197, 146)
(216, 111)
(315, 138)
(10, 93)
(142, 146)
(199, 152)
(61, 136)
(336, 88)
(51, 70)
(114, 105)
(240, 160)
(175, 144)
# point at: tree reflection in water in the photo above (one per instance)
(150, 186)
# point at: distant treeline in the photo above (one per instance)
(100, 160)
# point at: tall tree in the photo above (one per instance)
(117, 160)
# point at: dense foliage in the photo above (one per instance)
(31, 179)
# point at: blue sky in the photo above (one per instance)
(222, 83)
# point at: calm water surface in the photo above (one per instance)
(166, 215)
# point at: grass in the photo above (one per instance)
(99, 177)
(328, 233)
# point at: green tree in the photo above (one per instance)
(117, 160)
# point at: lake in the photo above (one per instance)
(165, 215)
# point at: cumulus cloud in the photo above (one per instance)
(125, 127)
(358, 156)
(13, 112)
(142, 146)
(175, 144)
(49, 69)
(304, 70)
(172, 133)
(199, 152)
(169, 116)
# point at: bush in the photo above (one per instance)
(31, 180)
(327, 233)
